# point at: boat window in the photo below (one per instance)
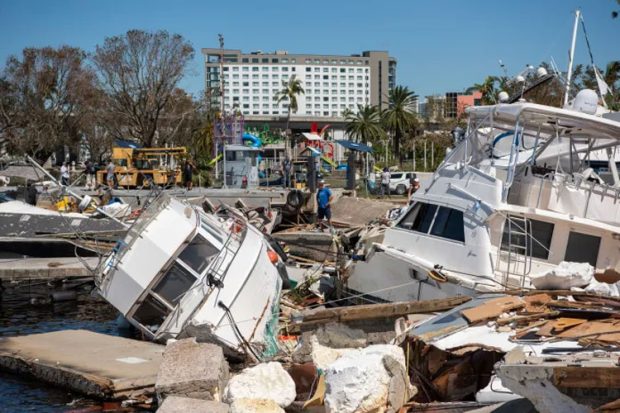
(151, 313)
(407, 221)
(198, 253)
(423, 220)
(449, 224)
(539, 239)
(174, 284)
(582, 248)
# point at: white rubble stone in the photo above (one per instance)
(255, 406)
(323, 356)
(263, 381)
(373, 379)
(565, 276)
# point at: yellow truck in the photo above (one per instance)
(138, 167)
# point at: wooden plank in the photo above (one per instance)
(370, 311)
(492, 309)
(586, 377)
(526, 318)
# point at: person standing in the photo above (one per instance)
(324, 199)
(385, 182)
(110, 168)
(188, 174)
(89, 171)
(413, 187)
(64, 174)
(286, 168)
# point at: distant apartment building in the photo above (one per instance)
(456, 102)
(333, 84)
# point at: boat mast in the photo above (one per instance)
(571, 57)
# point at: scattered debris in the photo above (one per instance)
(264, 381)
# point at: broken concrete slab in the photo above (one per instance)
(385, 387)
(176, 404)
(191, 369)
(255, 406)
(263, 381)
(359, 211)
(98, 365)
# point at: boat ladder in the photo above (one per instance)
(519, 249)
(217, 273)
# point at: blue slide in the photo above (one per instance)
(255, 141)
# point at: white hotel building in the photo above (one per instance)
(332, 84)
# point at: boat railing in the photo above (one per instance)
(149, 212)
(217, 273)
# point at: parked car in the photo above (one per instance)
(401, 181)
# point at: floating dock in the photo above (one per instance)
(97, 365)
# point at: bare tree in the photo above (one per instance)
(44, 95)
(139, 73)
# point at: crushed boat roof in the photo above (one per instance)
(548, 118)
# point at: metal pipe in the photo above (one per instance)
(571, 57)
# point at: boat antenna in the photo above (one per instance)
(571, 57)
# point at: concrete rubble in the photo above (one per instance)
(255, 406)
(177, 404)
(193, 370)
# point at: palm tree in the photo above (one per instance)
(399, 117)
(289, 92)
(487, 88)
(365, 124)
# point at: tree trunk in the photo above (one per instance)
(397, 137)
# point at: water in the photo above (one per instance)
(18, 316)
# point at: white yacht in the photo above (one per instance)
(513, 199)
(182, 272)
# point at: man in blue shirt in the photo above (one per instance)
(323, 198)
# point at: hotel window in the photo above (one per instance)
(325, 69)
(254, 76)
(265, 84)
(325, 77)
(325, 106)
(343, 99)
(245, 69)
(254, 60)
(255, 106)
(326, 92)
(275, 84)
(308, 106)
(293, 60)
(351, 99)
(245, 91)
(225, 68)
(359, 70)
(275, 76)
(308, 69)
(308, 77)
(245, 60)
(246, 106)
(265, 105)
(274, 91)
(266, 98)
(265, 76)
(351, 70)
(308, 61)
(235, 68)
(334, 91)
(343, 92)
(351, 77)
(236, 91)
(343, 106)
(284, 77)
(255, 92)
(255, 69)
(334, 70)
(326, 99)
(274, 60)
(255, 83)
(265, 60)
(317, 69)
(265, 91)
(317, 77)
(317, 91)
(246, 98)
(274, 106)
(284, 60)
(245, 76)
(285, 69)
(351, 85)
(265, 68)
(317, 61)
(334, 106)
(235, 83)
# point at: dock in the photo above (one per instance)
(16, 269)
(93, 364)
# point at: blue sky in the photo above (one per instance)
(441, 45)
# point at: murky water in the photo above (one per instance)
(26, 309)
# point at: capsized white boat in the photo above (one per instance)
(514, 199)
(182, 272)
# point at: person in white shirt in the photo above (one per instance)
(385, 182)
(64, 174)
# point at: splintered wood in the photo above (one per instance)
(492, 309)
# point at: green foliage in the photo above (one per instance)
(365, 124)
